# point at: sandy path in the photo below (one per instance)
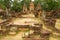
(16, 37)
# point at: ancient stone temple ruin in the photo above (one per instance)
(31, 21)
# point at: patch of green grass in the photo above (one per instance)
(2, 35)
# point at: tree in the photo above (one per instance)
(2, 6)
(50, 5)
(17, 6)
(47, 5)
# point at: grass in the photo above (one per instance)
(2, 35)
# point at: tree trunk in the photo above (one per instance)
(7, 13)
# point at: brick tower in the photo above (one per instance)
(38, 7)
(31, 7)
(24, 8)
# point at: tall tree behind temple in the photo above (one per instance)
(2, 6)
(16, 6)
(50, 5)
(35, 2)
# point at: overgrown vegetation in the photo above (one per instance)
(16, 5)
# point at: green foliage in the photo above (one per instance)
(47, 5)
(35, 2)
(50, 5)
(2, 4)
(17, 6)
(7, 3)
